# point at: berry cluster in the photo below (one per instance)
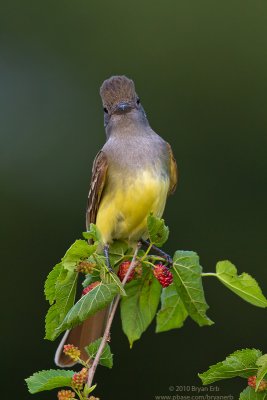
(66, 395)
(72, 351)
(252, 383)
(79, 379)
(163, 274)
(90, 287)
(85, 267)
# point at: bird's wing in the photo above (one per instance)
(99, 173)
(173, 171)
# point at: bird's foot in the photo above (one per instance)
(160, 252)
(106, 253)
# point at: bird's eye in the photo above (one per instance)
(105, 110)
(138, 101)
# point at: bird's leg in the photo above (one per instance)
(106, 253)
(160, 252)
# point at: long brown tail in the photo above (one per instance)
(81, 336)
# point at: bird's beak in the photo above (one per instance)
(123, 107)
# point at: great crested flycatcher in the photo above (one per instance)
(132, 176)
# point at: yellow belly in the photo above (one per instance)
(124, 209)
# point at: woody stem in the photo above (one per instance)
(105, 337)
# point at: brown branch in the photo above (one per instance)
(109, 322)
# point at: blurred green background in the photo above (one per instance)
(200, 69)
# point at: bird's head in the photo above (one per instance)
(119, 98)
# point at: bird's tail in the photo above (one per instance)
(82, 335)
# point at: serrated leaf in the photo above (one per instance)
(50, 283)
(262, 360)
(79, 250)
(93, 233)
(47, 380)
(117, 250)
(106, 358)
(66, 291)
(95, 300)
(243, 285)
(65, 296)
(107, 276)
(172, 313)
(240, 363)
(250, 394)
(52, 321)
(188, 281)
(262, 371)
(111, 277)
(139, 307)
(157, 230)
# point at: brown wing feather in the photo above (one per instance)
(173, 171)
(99, 172)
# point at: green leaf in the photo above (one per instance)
(79, 250)
(47, 380)
(188, 282)
(172, 313)
(262, 371)
(117, 250)
(95, 300)
(110, 277)
(243, 285)
(61, 283)
(50, 283)
(240, 363)
(87, 390)
(52, 321)
(250, 394)
(157, 230)
(66, 291)
(106, 358)
(93, 233)
(90, 278)
(139, 307)
(65, 297)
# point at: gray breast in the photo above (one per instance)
(135, 152)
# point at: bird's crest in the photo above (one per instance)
(117, 89)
